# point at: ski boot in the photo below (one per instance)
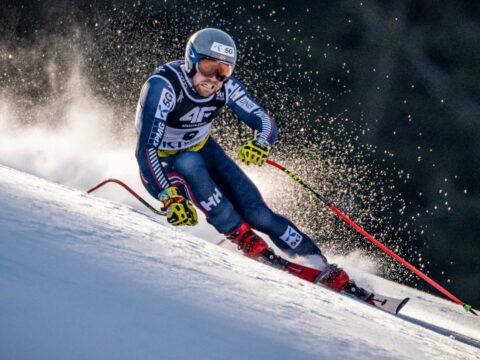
(250, 243)
(333, 277)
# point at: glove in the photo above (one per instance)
(178, 209)
(254, 151)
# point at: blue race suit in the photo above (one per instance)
(175, 148)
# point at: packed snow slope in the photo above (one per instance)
(86, 278)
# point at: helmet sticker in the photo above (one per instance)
(191, 54)
(223, 49)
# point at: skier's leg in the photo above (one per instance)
(216, 206)
(248, 201)
(188, 172)
(175, 179)
(206, 194)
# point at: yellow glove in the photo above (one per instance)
(254, 151)
(177, 208)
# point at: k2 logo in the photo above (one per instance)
(197, 114)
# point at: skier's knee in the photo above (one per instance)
(189, 163)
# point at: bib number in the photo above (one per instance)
(190, 135)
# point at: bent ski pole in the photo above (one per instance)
(468, 308)
(126, 187)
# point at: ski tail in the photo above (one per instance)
(388, 304)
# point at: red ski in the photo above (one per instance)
(385, 303)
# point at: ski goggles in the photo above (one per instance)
(209, 67)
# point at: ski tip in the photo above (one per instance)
(401, 305)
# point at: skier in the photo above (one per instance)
(180, 162)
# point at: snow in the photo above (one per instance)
(82, 277)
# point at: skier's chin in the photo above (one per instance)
(206, 89)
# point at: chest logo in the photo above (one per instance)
(180, 97)
(197, 114)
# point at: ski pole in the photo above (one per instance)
(126, 187)
(468, 308)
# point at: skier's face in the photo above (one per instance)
(206, 85)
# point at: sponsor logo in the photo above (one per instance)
(197, 114)
(223, 49)
(173, 145)
(195, 125)
(159, 133)
(291, 237)
(234, 90)
(220, 96)
(180, 97)
(191, 53)
(165, 104)
(246, 104)
(212, 201)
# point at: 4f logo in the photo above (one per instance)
(197, 114)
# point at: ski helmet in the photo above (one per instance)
(209, 43)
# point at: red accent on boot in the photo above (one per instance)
(371, 300)
(250, 243)
(303, 272)
(335, 278)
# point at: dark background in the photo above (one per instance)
(377, 101)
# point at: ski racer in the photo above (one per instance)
(181, 164)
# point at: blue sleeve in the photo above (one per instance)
(157, 99)
(249, 112)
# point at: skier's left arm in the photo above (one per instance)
(248, 111)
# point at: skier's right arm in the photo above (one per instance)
(157, 99)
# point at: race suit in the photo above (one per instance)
(175, 148)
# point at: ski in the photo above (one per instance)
(385, 303)
(388, 304)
